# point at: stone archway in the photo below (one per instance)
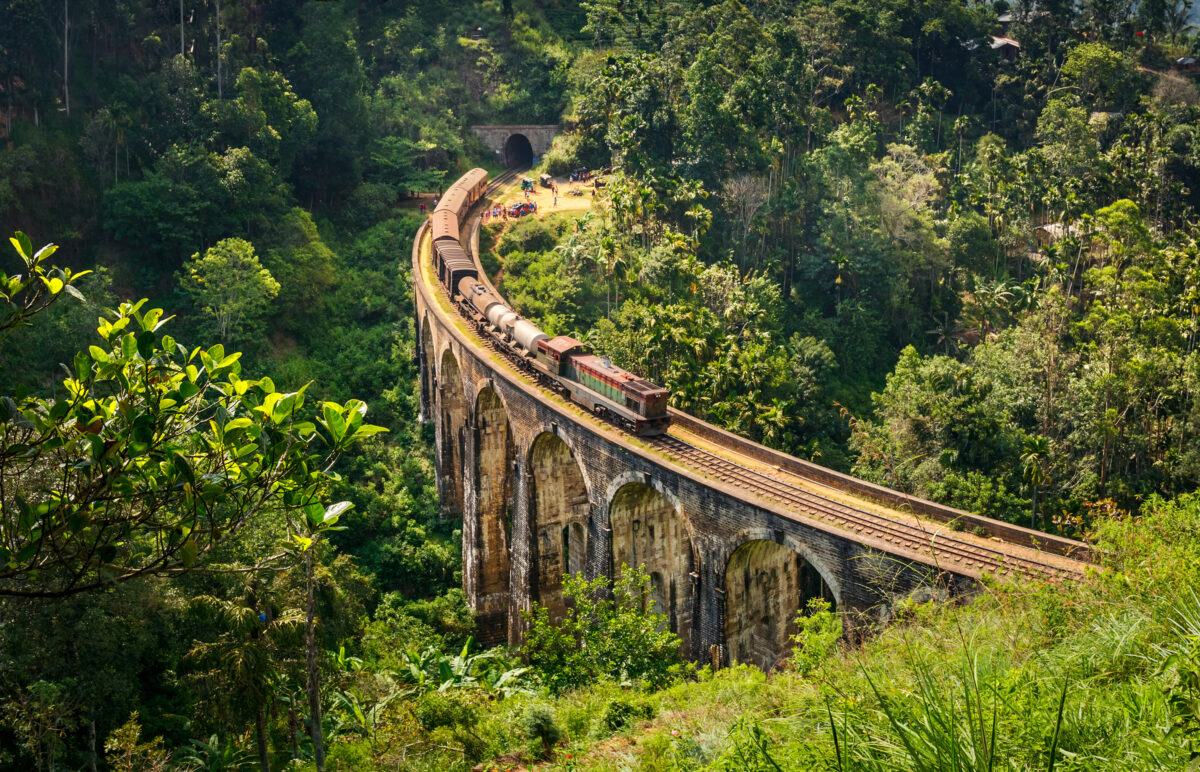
(495, 454)
(427, 371)
(518, 151)
(647, 529)
(452, 417)
(766, 586)
(559, 512)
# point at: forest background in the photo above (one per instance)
(860, 232)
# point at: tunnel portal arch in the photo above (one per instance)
(766, 585)
(518, 151)
(559, 512)
(647, 529)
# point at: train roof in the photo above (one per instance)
(445, 225)
(606, 370)
(473, 177)
(453, 200)
(452, 254)
(561, 345)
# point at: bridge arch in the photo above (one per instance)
(518, 151)
(647, 528)
(559, 512)
(768, 580)
(491, 533)
(452, 421)
(427, 369)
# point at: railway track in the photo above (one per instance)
(504, 179)
(947, 551)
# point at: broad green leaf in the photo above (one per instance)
(188, 553)
(146, 341)
(45, 252)
(23, 245)
(366, 430)
(334, 422)
(238, 423)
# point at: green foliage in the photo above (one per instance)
(28, 294)
(800, 193)
(135, 425)
(215, 755)
(749, 749)
(1183, 695)
(442, 623)
(621, 637)
(230, 287)
(40, 716)
(125, 752)
(432, 670)
(302, 265)
(1106, 79)
(818, 633)
(538, 724)
(622, 712)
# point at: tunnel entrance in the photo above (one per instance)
(766, 586)
(518, 152)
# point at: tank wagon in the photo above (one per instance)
(562, 364)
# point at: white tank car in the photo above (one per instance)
(527, 335)
(501, 316)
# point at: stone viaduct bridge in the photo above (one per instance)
(736, 537)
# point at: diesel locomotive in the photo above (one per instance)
(562, 364)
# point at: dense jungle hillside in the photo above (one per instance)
(947, 246)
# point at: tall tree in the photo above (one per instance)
(230, 286)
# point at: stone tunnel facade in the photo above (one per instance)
(511, 142)
(543, 492)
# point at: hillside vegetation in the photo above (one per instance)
(870, 233)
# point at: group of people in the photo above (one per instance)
(498, 211)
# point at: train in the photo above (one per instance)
(562, 363)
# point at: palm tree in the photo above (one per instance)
(240, 666)
(1178, 19)
(1035, 466)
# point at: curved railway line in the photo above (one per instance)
(931, 543)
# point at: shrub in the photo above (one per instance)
(622, 712)
(538, 724)
(620, 637)
(819, 631)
